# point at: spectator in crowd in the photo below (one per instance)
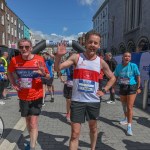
(6, 81)
(85, 102)
(112, 65)
(48, 83)
(2, 78)
(128, 76)
(101, 76)
(29, 68)
(67, 91)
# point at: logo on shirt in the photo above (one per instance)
(82, 63)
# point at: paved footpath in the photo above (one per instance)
(54, 131)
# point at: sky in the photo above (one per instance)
(65, 19)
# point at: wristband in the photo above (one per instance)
(103, 90)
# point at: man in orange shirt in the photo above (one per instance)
(28, 69)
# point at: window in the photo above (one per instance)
(133, 14)
(19, 25)
(8, 28)
(2, 6)
(15, 33)
(12, 31)
(9, 45)
(3, 38)
(8, 16)
(15, 22)
(12, 19)
(2, 20)
(143, 44)
(122, 48)
(131, 46)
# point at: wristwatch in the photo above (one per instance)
(103, 90)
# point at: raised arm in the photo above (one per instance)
(61, 51)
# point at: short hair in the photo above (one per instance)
(109, 54)
(127, 51)
(24, 40)
(4, 53)
(91, 32)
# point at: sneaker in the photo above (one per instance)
(111, 102)
(6, 98)
(129, 131)
(68, 117)
(43, 104)
(2, 102)
(27, 146)
(52, 99)
(124, 121)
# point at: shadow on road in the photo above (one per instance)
(130, 145)
(46, 141)
(101, 145)
(111, 123)
(142, 120)
(55, 115)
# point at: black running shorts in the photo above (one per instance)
(67, 91)
(48, 82)
(83, 110)
(29, 108)
(128, 89)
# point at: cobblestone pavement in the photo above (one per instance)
(54, 130)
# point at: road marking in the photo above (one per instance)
(12, 138)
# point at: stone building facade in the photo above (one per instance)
(128, 25)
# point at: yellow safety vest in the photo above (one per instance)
(6, 64)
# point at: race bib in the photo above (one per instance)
(124, 81)
(86, 86)
(26, 83)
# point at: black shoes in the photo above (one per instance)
(52, 100)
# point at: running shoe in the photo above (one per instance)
(111, 102)
(27, 146)
(2, 102)
(52, 100)
(124, 121)
(129, 131)
(43, 104)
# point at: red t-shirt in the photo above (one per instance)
(30, 82)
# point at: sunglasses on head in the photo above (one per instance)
(26, 47)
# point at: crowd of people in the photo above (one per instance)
(32, 77)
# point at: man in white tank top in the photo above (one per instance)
(85, 102)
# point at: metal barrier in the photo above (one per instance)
(145, 94)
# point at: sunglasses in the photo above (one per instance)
(26, 47)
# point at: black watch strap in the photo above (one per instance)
(103, 90)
